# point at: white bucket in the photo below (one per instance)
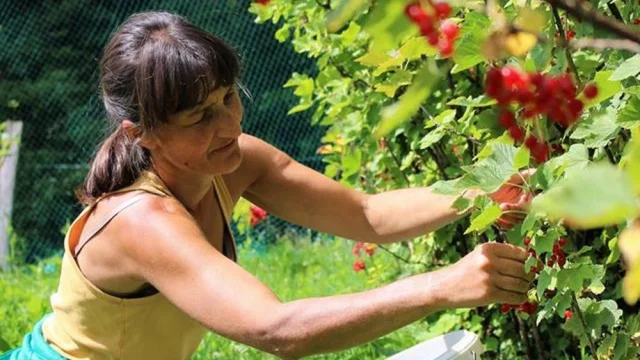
(457, 345)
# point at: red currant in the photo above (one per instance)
(443, 10)
(590, 91)
(568, 314)
(516, 133)
(449, 29)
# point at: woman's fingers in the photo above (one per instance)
(512, 284)
(510, 297)
(514, 269)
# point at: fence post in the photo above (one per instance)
(8, 166)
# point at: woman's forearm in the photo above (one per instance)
(404, 214)
(317, 325)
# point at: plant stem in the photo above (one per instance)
(437, 159)
(576, 308)
(583, 10)
(523, 336)
(540, 346)
(563, 37)
(602, 44)
(401, 258)
(398, 164)
(615, 11)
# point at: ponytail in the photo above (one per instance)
(118, 163)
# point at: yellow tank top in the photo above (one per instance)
(88, 323)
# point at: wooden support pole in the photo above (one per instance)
(11, 133)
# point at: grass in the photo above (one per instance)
(292, 268)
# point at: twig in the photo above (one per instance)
(523, 336)
(615, 11)
(583, 10)
(398, 164)
(609, 154)
(441, 166)
(540, 346)
(576, 308)
(563, 37)
(602, 44)
(401, 258)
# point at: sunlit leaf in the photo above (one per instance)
(345, 11)
(629, 244)
(598, 195)
(400, 112)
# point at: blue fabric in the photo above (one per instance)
(34, 347)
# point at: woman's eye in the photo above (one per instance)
(207, 115)
(229, 97)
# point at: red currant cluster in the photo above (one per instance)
(368, 248)
(537, 94)
(558, 256)
(527, 307)
(428, 22)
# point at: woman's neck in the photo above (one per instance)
(189, 188)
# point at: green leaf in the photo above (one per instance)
(409, 103)
(391, 85)
(432, 137)
(629, 116)
(631, 160)
(607, 345)
(521, 159)
(351, 162)
(597, 130)
(574, 278)
(541, 55)
(606, 88)
(628, 68)
(599, 195)
(485, 219)
(387, 25)
(597, 314)
(468, 49)
(4, 345)
(493, 171)
(478, 102)
(345, 11)
(575, 159)
(415, 48)
(446, 187)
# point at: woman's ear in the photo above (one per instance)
(134, 131)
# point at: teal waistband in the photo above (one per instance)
(34, 346)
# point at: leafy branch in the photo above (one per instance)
(583, 10)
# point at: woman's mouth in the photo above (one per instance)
(226, 146)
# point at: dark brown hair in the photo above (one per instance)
(156, 64)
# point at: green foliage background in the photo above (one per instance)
(49, 80)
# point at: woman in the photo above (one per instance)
(149, 265)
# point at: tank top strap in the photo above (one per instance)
(147, 182)
(106, 221)
(226, 205)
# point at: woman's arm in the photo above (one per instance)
(169, 251)
(303, 196)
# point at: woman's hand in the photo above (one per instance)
(491, 273)
(513, 199)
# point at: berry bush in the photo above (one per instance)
(466, 95)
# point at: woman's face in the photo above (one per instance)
(204, 139)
